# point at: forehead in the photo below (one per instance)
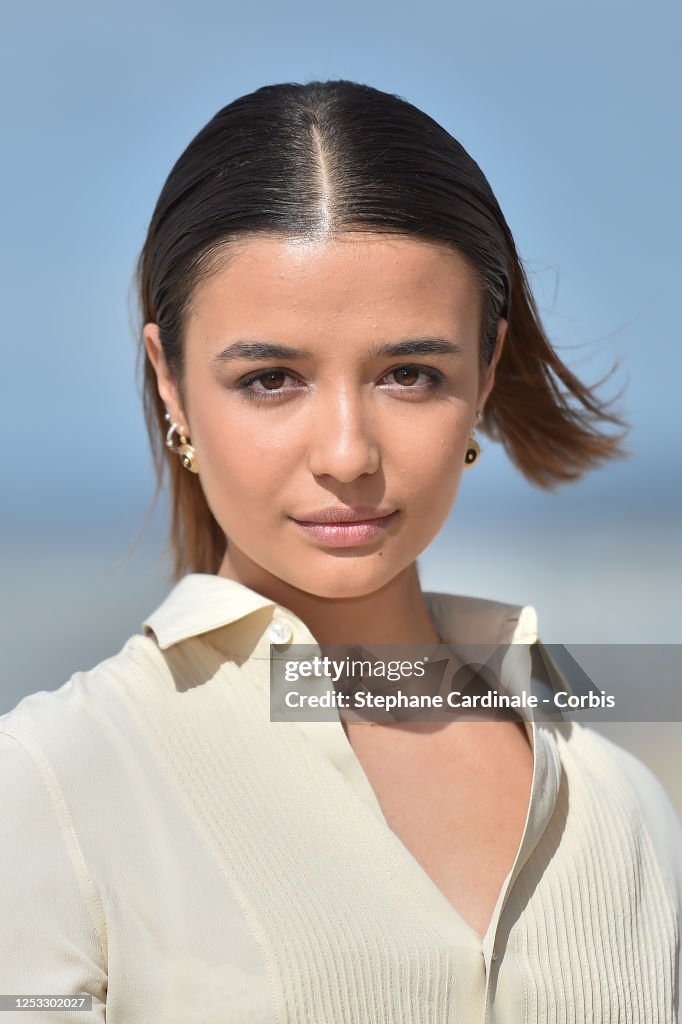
(356, 276)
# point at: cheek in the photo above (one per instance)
(433, 449)
(232, 440)
(238, 469)
(431, 465)
(243, 471)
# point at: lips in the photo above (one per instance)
(344, 533)
(339, 514)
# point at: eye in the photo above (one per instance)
(271, 380)
(408, 375)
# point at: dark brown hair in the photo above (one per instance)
(327, 157)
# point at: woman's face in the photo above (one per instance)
(330, 373)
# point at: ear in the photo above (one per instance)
(489, 378)
(165, 382)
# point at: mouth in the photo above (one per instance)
(347, 532)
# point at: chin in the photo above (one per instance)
(348, 577)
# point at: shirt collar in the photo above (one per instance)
(199, 603)
(202, 602)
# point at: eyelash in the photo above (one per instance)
(435, 379)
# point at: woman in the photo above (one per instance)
(332, 304)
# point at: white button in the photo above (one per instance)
(494, 954)
(280, 632)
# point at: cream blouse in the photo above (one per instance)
(169, 850)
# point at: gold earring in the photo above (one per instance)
(473, 451)
(183, 448)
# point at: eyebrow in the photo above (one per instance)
(257, 350)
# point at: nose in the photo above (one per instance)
(342, 443)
